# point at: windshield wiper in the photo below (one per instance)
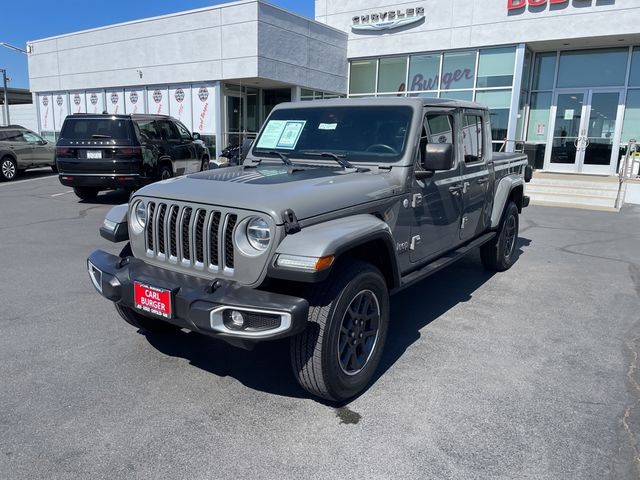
(97, 135)
(341, 160)
(282, 156)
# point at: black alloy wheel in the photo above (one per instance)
(359, 332)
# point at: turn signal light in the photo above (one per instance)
(310, 264)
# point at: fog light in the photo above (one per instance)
(234, 320)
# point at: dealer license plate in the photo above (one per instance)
(152, 299)
(94, 153)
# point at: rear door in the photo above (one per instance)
(475, 173)
(185, 137)
(436, 204)
(16, 143)
(177, 149)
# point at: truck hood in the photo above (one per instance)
(308, 191)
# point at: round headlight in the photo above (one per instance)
(140, 214)
(258, 233)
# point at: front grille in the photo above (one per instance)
(191, 237)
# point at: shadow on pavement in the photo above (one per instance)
(110, 197)
(267, 368)
(31, 174)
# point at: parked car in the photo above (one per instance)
(21, 149)
(103, 152)
(338, 204)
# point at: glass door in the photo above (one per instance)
(586, 129)
(601, 142)
(567, 114)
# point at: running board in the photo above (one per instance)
(444, 261)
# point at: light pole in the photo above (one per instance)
(4, 79)
(6, 95)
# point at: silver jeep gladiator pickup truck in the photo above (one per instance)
(339, 204)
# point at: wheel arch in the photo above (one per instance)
(509, 188)
(362, 237)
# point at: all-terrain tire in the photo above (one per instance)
(86, 193)
(147, 324)
(335, 316)
(498, 254)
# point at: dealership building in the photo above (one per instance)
(561, 77)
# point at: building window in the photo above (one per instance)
(424, 73)
(496, 67)
(634, 77)
(458, 95)
(499, 103)
(545, 71)
(631, 125)
(363, 76)
(593, 68)
(458, 70)
(392, 74)
(539, 117)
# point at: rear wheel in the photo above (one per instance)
(338, 353)
(147, 324)
(205, 164)
(498, 254)
(8, 169)
(165, 172)
(86, 193)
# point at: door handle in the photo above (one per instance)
(483, 180)
(456, 189)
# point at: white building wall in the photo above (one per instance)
(452, 24)
(244, 39)
(24, 115)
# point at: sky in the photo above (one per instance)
(45, 18)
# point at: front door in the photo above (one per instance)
(585, 131)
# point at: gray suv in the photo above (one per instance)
(21, 149)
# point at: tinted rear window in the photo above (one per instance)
(81, 128)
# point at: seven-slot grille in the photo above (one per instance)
(196, 237)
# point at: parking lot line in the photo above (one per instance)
(63, 193)
(20, 182)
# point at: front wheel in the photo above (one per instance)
(144, 323)
(338, 353)
(498, 254)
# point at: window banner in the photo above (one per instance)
(95, 101)
(45, 106)
(60, 109)
(78, 102)
(115, 102)
(134, 101)
(158, 101)
(204, 107)
(180, 104)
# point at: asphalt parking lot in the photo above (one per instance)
(529, 374)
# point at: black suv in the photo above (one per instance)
(105, 152)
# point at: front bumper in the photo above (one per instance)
(198, 304)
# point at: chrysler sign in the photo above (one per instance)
(387, 20)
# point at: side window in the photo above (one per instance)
(440, 128)
(168, 131)
(182, 130)
(472, 139)
(148, 130)
(31, 137)
(14, 136)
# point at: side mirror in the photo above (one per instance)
(438, 156)
(195, 136)
(42, 142)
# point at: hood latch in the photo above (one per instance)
(291, 224)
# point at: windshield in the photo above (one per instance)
(87, 128)
(358, 134)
